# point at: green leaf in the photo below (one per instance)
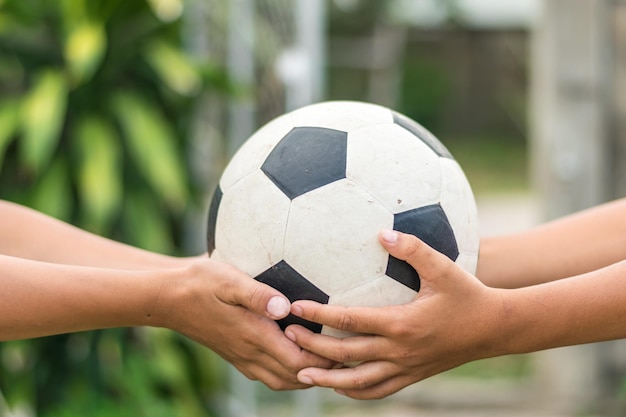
(52, 194)
(169, 362)
(152, 146)
(72, 11)
(84, 50)
(8, 125)
(99, 172)
(145, 223)
(174, 68)
(5, 22)
(167, 10)
(42, 116)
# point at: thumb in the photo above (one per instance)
(257, 297)
(423, 258)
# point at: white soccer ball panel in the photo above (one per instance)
(341, 115)
(381, 291)
(458, 202)
(251, 224)
(393, 165)
(253, 152)
(331, 236)
(331, 331)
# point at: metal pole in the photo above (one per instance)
(240, 65)
(301, 66)
(305, 88)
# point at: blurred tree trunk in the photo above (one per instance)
(570, 103)
(578, 153)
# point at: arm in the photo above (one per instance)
(569, 246)
(56, 278)
(26, 233)
(456, 319)
(212, 303)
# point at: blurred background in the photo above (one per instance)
(118, 116)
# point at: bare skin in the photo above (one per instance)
(456, 318)
(56, 278)
(572, 245)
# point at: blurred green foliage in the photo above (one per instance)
(426, 85)
(95, 102)
(94, 108)
(493, 164)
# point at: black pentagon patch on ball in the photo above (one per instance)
(212, 220)
(431, 225)
(419, 131)
(295, 287)
(307, 158)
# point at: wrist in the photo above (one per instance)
(159, 309)
(179, 291)
(508, 322)
(525, 321)
(495, 330)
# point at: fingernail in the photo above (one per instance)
(305, 379)
(296, 309)
(290, 335)
(278, 307)
(340, 392)
(389, 236)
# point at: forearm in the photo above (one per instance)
(40, 299)
(570, 246)
(26, 233)
(582, 309)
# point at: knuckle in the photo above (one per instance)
(284, 382)
(292, 365)
(226, 290)
(196, 268)
(398, 330)
(255, 295)
(378, 395)
(403, 327)
(449, 267)
(361, 382)
(345, 355)
(251, 376)
(346, 322)
(412, 247)
(277, 384)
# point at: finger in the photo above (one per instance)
(275, 380)
(365, 320)
(294, 357)
(286, 355)
(416, 252)
(346, 350)
(378, 391)
(361, 377)
(273, 359)
(255, 296)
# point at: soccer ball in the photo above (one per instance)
(300, 205)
